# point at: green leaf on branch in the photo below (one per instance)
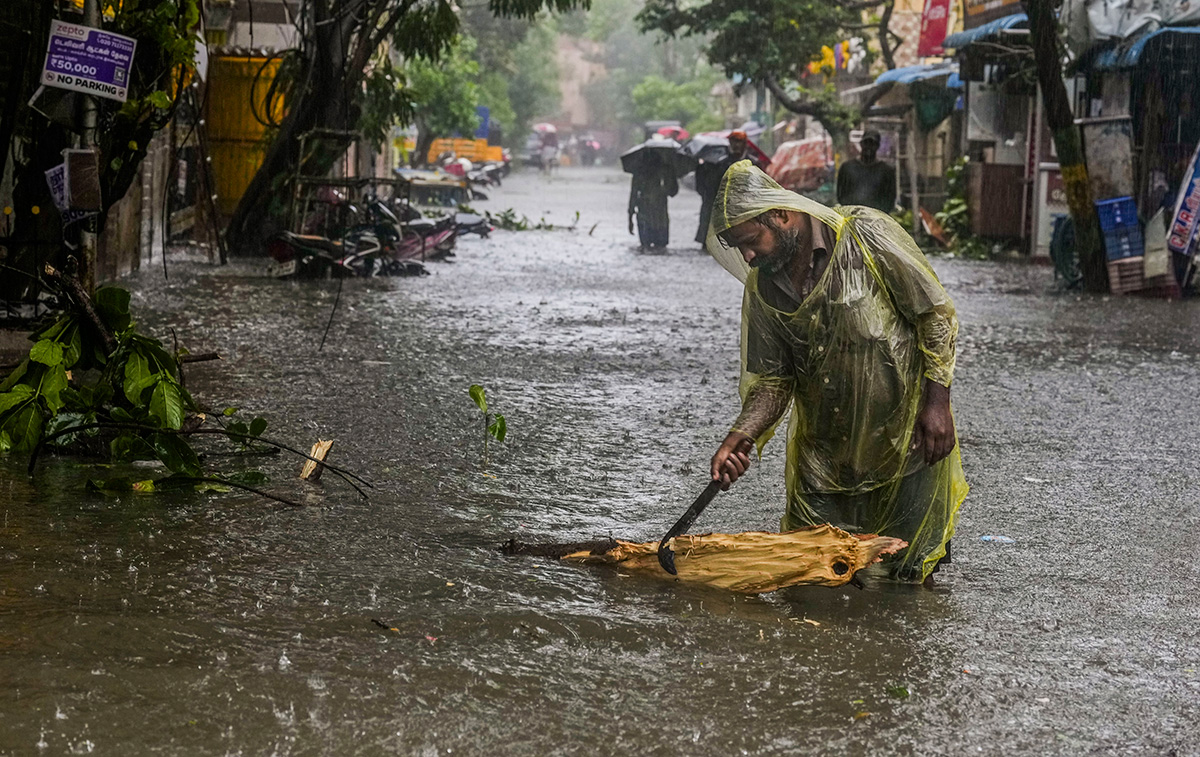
(248, 478)
(176, 454)
(112, 304)
(46, 352)
(159, 99)
(53, 382)
(19, 393)
(17, 374)
(205, 487)
(229, 411)
(65, 421)
(476, 392)
(121, 415)
(128, 447)
(166, 404)
(24, 428)
(137, 377)
(498, 428)
(258, 426)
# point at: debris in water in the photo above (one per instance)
(998, 539)
(752, 562)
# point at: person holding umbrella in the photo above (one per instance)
(708, 178)
(653, 165)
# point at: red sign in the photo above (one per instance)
(934, 24)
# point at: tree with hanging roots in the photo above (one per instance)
(344, 44)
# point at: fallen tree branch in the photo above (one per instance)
(70, 285)
(37, 450)
(753, 562)
(236, 485)
(201, 357)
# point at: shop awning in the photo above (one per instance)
(988, 31)
(910, 74)
(1127, 56)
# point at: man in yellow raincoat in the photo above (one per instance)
(845, 323)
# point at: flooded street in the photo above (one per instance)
(225, 625)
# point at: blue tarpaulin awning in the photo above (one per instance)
(1127, 56)
(910, 74)
(991, 29)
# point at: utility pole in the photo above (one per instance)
(91, 108)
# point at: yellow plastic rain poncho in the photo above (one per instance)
(850, 362)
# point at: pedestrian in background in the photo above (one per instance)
(867, 180)
(708, 179)
(652, 184)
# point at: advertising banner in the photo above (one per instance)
(934, 26)
(1182, 234)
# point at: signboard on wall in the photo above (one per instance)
(934, 26)
(88, 60)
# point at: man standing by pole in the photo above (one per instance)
(845, 323)
(867, 180)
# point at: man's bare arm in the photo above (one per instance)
(764, 406)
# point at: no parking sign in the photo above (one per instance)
(84, 59)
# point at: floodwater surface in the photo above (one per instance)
(226, 625)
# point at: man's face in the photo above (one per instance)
(767, 242)
(737, 147)
(869, 147)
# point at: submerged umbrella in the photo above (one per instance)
(655, 153)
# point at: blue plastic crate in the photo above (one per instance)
(1124, 243)
(1117, 213)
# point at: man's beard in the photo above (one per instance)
(787, 247)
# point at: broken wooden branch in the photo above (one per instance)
(314, 466)
(752, 562)
(70, 285)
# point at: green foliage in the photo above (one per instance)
(656, 99)
(955, 215)
(166, 36)
(508, 220)
(632, 57)
(494, 425)
(444, 93)
(71, 381)
(385, 102)
(765, 41)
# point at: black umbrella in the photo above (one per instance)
(706, 148)
(655, 153)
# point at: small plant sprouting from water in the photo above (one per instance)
(494, 425)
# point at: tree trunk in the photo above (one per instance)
(1043, 31)
(323, 101)
(420, 153)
